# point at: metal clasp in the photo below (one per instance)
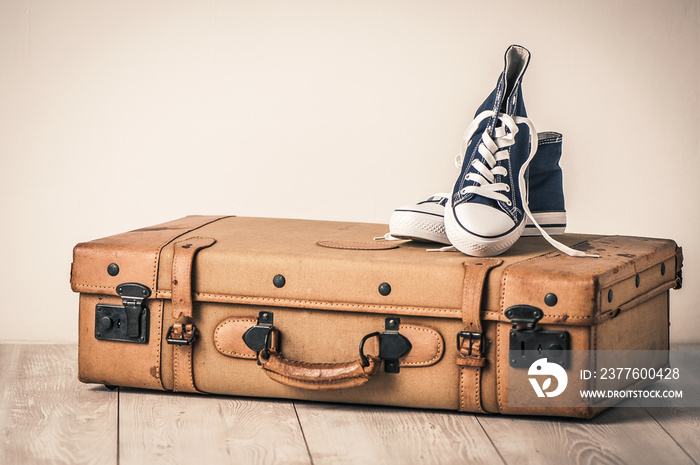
(392, 345)
(259, 337)
(181, 334)
(524, 314)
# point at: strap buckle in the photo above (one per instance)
(181, 334)
(472, 336)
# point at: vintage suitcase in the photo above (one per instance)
(317, 310)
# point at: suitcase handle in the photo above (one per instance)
(317, 376)
(325, 376)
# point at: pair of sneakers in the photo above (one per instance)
(425, 221)
(491, 204)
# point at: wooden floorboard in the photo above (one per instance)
(682, 424)
(617, 436)
(47, 415)
(680, 418)
(343, 434)
(167, 428)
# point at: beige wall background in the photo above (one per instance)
(120, 114)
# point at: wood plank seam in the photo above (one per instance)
(668, 433)
(303, 435)
(476, 417)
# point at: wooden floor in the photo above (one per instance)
(47, 416)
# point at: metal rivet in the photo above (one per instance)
(610, 295)
(113, 269)
(384, 289)
(663, 269)
(637, 280)
(551, 299)
(279, 281)
(265, 316)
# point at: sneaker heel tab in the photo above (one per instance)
(517, 53)
(517, 59)
(549, 137)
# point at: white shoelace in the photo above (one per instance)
(387, 237)
(495, 151)
(447, 248)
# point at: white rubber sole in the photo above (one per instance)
(477, 246)
(406, 224)
(554, 223)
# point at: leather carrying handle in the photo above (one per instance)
(317, 376)
(325, 376)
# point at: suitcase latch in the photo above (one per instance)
(127, 322)
(259, 337)
(392, 345)
(529, 344)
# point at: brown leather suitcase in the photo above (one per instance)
(319, 311)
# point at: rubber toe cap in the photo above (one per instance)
(483, 220)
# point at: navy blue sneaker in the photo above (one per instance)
(485, 214)
(486, 211)
(546, 187)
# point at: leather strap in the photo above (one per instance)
(184, 331)
(183, 256)
(470, 358)
(183, 373)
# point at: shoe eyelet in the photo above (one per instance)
(509, 203)
(463, 191)
(507, 188)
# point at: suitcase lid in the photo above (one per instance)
(337, 266)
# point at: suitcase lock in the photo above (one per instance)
(529, 344)
(127, 322)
